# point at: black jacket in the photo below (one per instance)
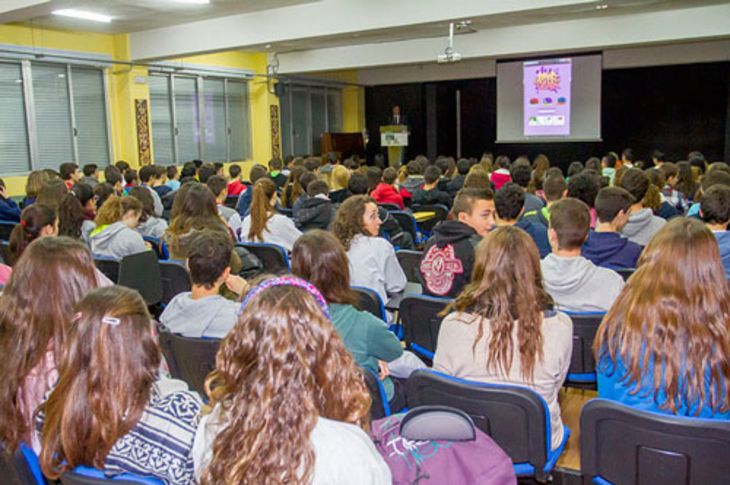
(314, 213)
(431, 197)
(448, 259)
(455, 185)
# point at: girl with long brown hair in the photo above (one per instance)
(109, 409)
(35, 310)
(36, 221)
(288, 403)
(664, 344)
(293, 189)
(502, 329)
(263, 223)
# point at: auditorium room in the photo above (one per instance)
(360, 242)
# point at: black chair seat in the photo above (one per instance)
(370, 301)
(410, 262)
(190, 359)
(582, 370)
(175, 279)
(274, 258)
(421, 322)
(141, 272)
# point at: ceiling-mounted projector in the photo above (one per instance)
(449, 55)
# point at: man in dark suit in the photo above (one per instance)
(397, 118)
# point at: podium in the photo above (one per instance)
(395, 137)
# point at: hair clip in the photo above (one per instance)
(24, 223)
(110, 320)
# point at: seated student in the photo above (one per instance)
(501, 175)
(457, 181)
(502, 329)
(654, 198)
(643, 224)
(217, 186)
(159, 184)
(110, 408)
(319, 258)
(372, 259)
(715, 211)
(102, 192)
(113, 177)
(712, 178)
(521, 174)
(429, 194)
(606, 246)
(338, 184)
(205, 171)
(114, 235)
(9, 210)
(554, 188)
(244, 200)
(670, 171)
(203, 312)
(385, 191)
(673, 315)
(173, 178)
(509, 202)
(235, 186)
(91, 175)
(34, 328)
(575, 283)
(608, 166)
(33, 186)
(149, 225)
(77, 212)
(288, 402)
(317, 212)
(293, 189)
(264, 224)
(147, 179)
(275, 167)
(70, 174)
(37, 220)
(448, 257)
(412, 182)
(477, 178)
(130, 179)
(52, 192)
(585, 186)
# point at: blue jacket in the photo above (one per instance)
(538, 232)
(723, 240)
(244, 201)
(611, 250)
(9, 210)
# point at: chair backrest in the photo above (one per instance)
(410, 261)
(407, 222)
(625, 272)
(141, 272)
(5, 254)
(231, 201)
(190, 359)
(421, 323)
(441, 211)
(379, 407)
(108, 266)
(6, 227)
(83, 475)
(158, 246)
(370, 301)
(389, 207)
(515, 417)
(582, 370)
(274, 257)
(623, 445)
(174, 278)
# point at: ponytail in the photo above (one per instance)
(32, 221)
(261, 209)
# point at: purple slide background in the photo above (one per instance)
(544, 117)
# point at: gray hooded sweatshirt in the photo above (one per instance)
(642, 226)
(152, 227)
(212, 316)
(578, 285)
(116, 241)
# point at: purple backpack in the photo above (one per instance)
(480, 461)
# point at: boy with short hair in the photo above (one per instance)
(159, 184)
(70, 174)
(275, 167)
(173, 178)
(317, 211)
(413, 181)
(236, 185)
(509, 201)
(642, 224)
(457, 182)
(429, 194)
(91, 175)
(217, 186)
(147, 178)
(448, 257)
(715, 212)
(385, 192)
(555, 188)
(574, 282)
(606, 246)
(114, 177)
(521, 173)
(670, 172)
(502, 173)
(202, 312)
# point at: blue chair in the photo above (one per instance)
(516, 418)
(370, 301)
(408, 223)
(626, 446)
(441, 211)
(582, 370)
(159, 246)
(84, 475)
(5, 254)
(274, 257)
(28, 467)
(380, 408)
(421, 322)
(6, 227)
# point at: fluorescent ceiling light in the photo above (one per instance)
(81, 14)
(199, 2)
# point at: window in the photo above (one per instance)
(199, 117)
(51, 113)
(306, 113)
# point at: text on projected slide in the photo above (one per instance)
(546, 97)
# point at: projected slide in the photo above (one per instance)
(546, 97)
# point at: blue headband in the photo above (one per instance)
(287, 281)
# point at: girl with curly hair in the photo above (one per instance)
(373, 263)
(502, 328)
(287, 403)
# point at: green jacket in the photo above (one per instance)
(367, 338)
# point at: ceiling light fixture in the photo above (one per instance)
(82, 14)
(601, 7)
(196, 2)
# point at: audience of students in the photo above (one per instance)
(521, 174)
(509, 202)
(642, 224)
(448, 257)
(264, 224)
(218, 186)
(70, 174)
(288, 402)
(554, 189)
(574, 282)
(663, 346)
(317, 212)
(429, 193)
(502, 329)
(606, 246)
(114, 235)
(501, 175)
(373, 263)
(715, 212)
(385, 191)
(275, 172)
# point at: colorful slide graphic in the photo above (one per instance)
(546, 97)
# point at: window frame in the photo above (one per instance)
(307, 88)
